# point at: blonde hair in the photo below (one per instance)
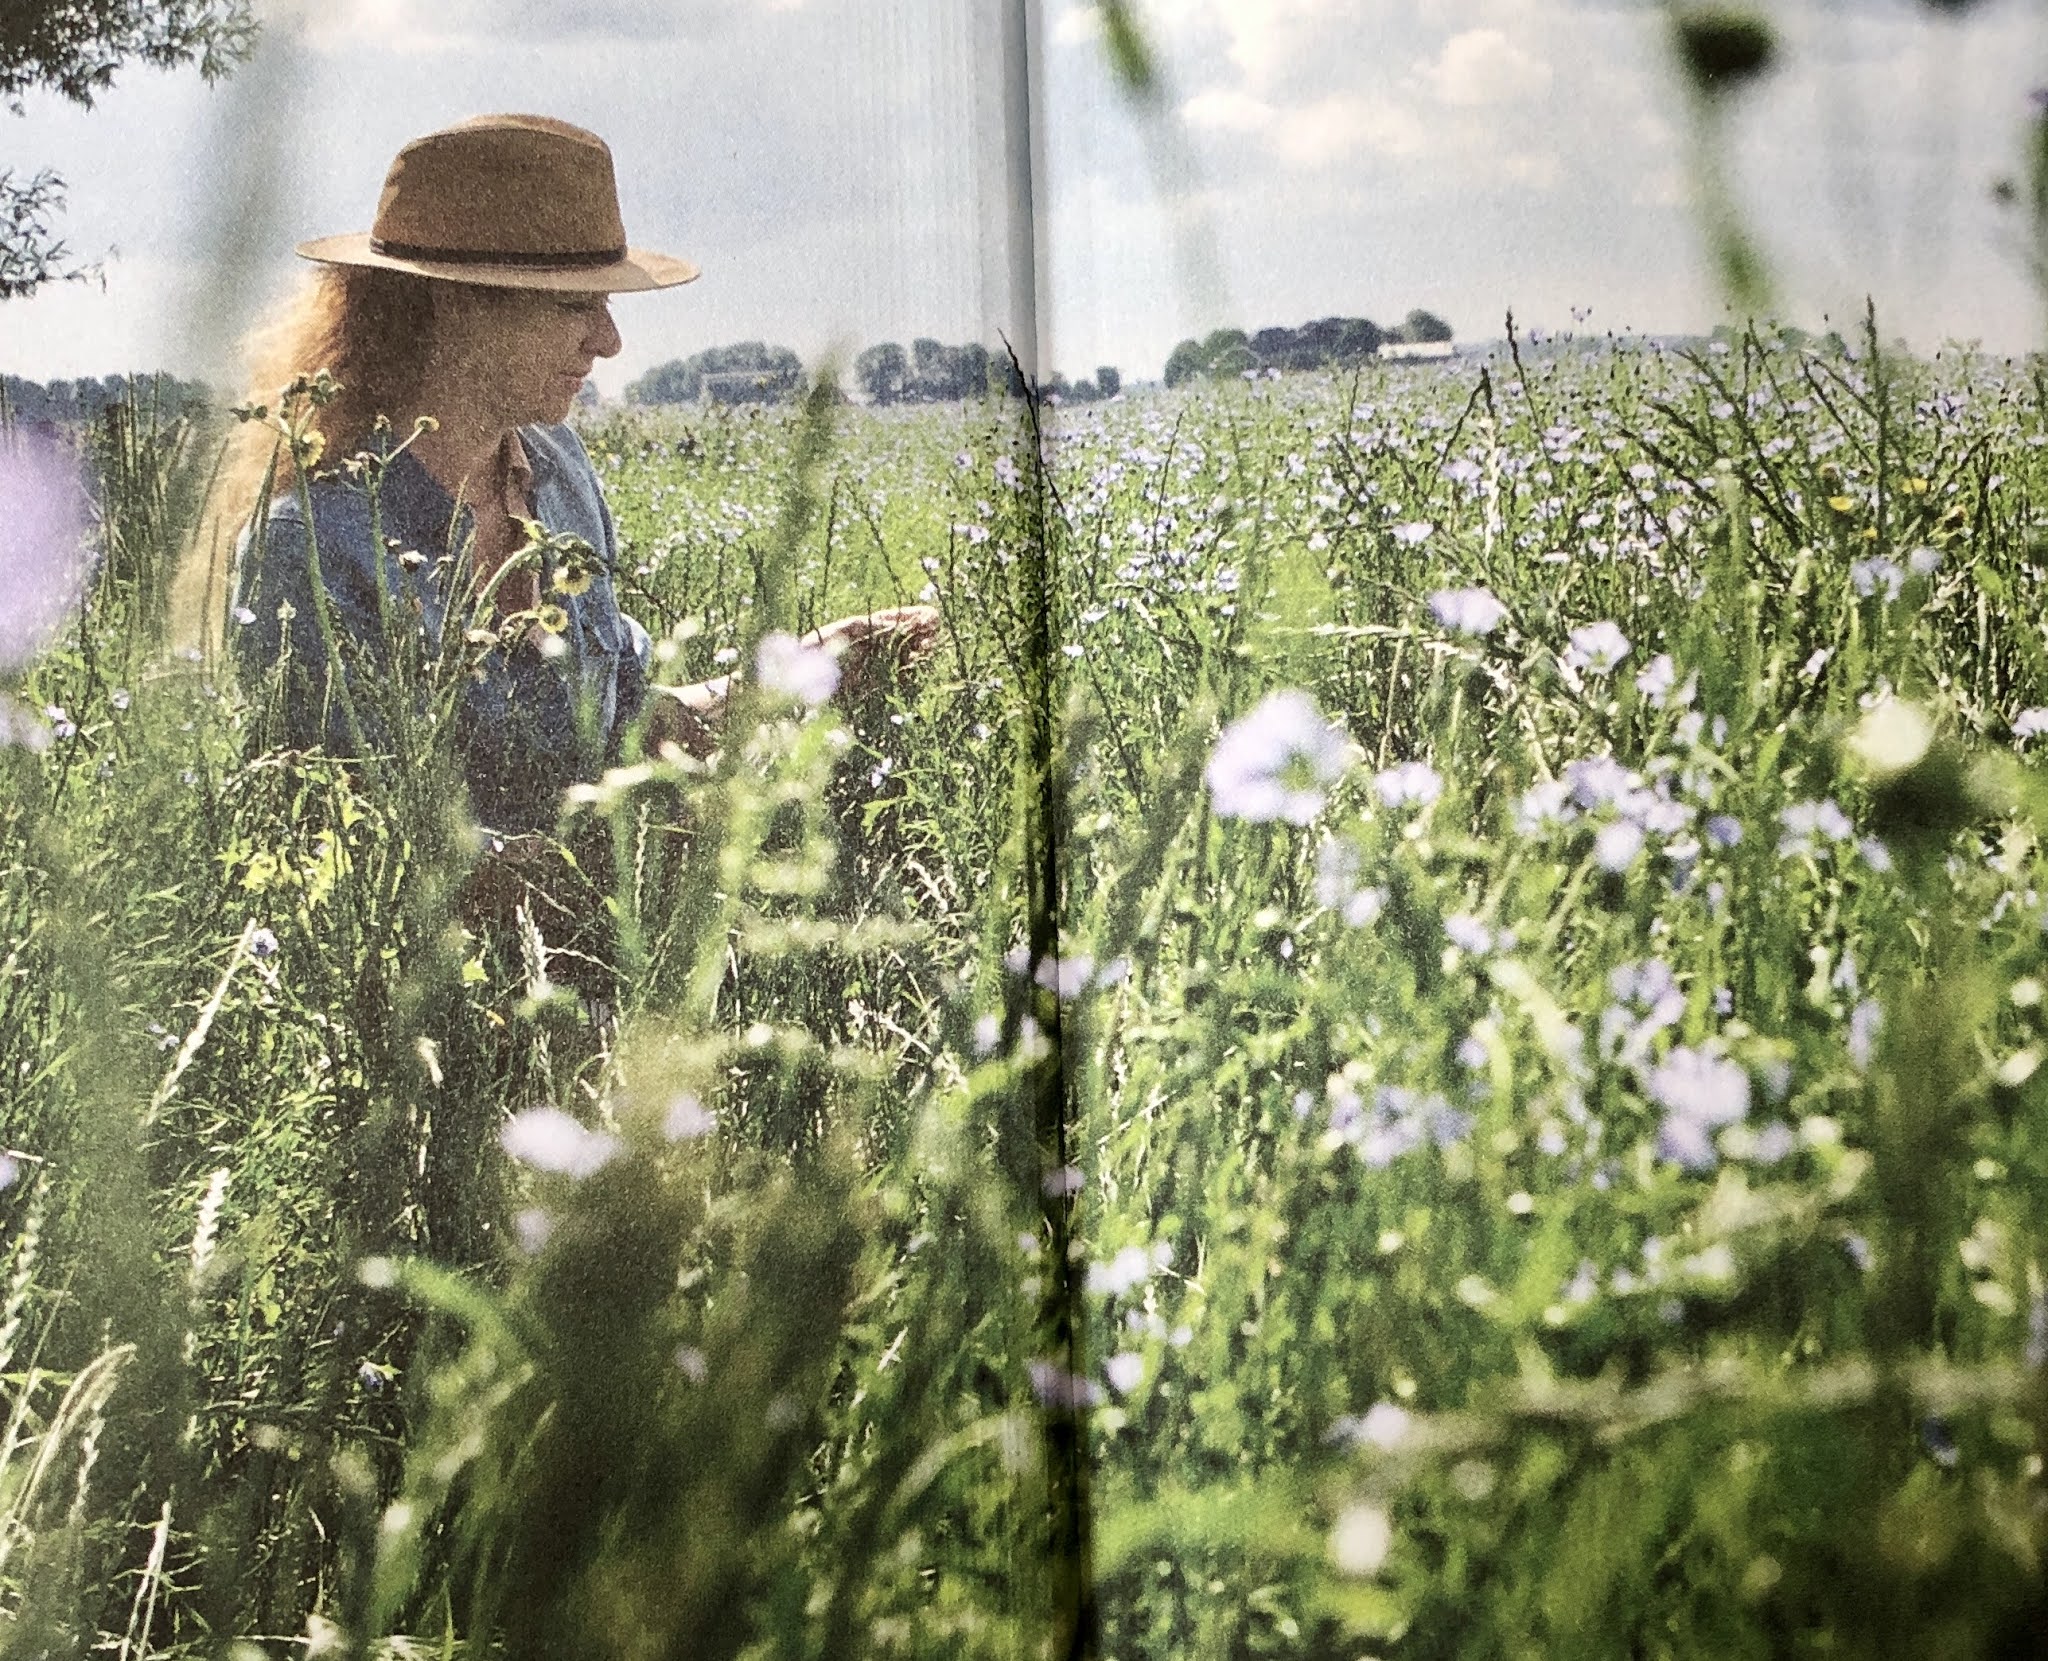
(369, 329)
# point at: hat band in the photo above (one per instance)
(578, 261)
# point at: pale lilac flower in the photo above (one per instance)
(789, 666)
(1807, 820)
(532, 1228)
(1924, 562)
(692, 1363)
(1724, 831)
(1599, 781)
(1617, 846)
(1066, 978)
(1123, 1273)
(1469, 934)
(1865, 1022)
(1338, 885)
(1815, 664)
(10, 1171)
(1361, 1540)
(1544, 806)
(243, 615)
(1699, 1093)
(550, 1140)
(687, 1118)
(1125, 1371)
(1597, 648)
(1277, 762)
(1057, 1388)
(18, 726)
(1874, 575)
(1384, 1425)
(1409, 783)
(262, 944)
(43, 560)
(1471, 611)
(1063, 1183)
(2030, 723)
(1413, 531)
(61, 724)
(1462, 471)
(1656, 679)
(1773, 1143)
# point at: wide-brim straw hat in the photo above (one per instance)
(505, 201)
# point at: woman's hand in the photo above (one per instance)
(875, 651)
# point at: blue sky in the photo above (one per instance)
(842, 171)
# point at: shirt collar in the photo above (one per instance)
(413, 498)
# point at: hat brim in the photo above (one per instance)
(637, 272)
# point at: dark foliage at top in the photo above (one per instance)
(74, 47)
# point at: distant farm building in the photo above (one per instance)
(748, 386)
(1412, 351)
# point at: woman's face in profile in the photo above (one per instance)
(519, 355)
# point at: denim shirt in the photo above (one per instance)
(535, 721)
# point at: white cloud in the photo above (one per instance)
(1532, 169)
(447, 25)
(1228, 110)
(1339, 127)
(1077, 25)
(1482, 66)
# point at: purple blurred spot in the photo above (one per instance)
(42, 546)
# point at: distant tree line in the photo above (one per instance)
(1327, 343)
(67, 403)
(748, 373)
(930, 372)
(933, 373)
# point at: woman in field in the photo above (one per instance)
(456, 335)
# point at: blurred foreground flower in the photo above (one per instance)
(1467, 610)
(1700, 1093)
(1597, 648)
(1278, 762)
(1408, 784)
(1361, 1540)
(548, 1139)
(1061, 1390)
(788, 666)
(42, 551)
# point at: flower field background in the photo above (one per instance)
(1424, 1040)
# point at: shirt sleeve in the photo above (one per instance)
(636, 661)
(324, 669)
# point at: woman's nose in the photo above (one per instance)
(602, 340)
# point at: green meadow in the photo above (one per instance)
(1422, 1038)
